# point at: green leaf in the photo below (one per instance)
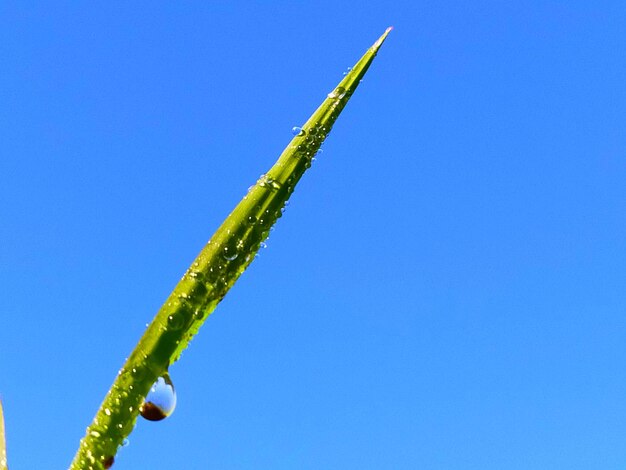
(3, 441)
(214, 271)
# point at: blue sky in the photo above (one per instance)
(445, 290)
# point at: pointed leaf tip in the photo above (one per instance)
(381, 39)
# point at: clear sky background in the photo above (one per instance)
(447, 289)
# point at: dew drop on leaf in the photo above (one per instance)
(230, 253)
(295, 130)
(199, 314)
(176, 321)
(160, 401)
(337, 93)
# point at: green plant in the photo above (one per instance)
(3, 446)
(214, 271)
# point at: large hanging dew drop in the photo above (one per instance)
(297, 130)
(160, 401)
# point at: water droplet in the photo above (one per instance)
(251, 220)
(337, 93)
(263, 245)
(125, 443)
(230, 253)
(160, 401)
(137, 372)
(199, 314)
(176, 321)
(295, 130)
(268, 182)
